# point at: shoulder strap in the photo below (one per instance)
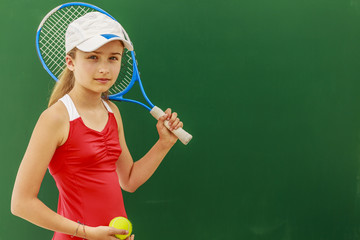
(107, 106)
(69, 104)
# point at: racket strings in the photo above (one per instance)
(125, 75)
(52, 45)
(52, 36)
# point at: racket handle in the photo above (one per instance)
(183, 136)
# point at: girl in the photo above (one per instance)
(80, 138)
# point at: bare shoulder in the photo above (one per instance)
(116, 112)
(114, 108)
(54, 124)
(55, 115)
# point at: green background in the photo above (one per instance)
(269, 90)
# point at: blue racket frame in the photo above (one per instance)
(135, 76)
(54, 10)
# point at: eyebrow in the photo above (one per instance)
(114, 53)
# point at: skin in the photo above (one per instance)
(94, 72)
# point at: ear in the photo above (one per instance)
(70, 63)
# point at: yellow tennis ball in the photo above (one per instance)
(121, 223)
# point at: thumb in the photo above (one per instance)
(163, 117)
(118, 231)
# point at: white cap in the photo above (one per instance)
(92, 31)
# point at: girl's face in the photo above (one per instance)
(97, 71)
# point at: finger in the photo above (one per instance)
(168, 112)
(175, 124)
(172, 118)
(179, 125)
(132, 237)
(118, 231)
(164, 117)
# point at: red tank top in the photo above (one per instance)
(84, 169)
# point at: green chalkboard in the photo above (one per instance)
(269, 90)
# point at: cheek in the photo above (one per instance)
(116, 69)
(85, 69)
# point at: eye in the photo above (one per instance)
(113, 58)
(94, 57)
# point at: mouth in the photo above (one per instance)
(102, 80)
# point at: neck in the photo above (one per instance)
(86, 99)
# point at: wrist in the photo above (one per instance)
(84, 231)
(165, 144)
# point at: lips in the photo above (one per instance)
(102, 80)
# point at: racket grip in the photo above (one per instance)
(183, 136)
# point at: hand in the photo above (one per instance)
(132, 237)
(105, 233)
(165, 135)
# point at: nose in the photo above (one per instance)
(103, 68)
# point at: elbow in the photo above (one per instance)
(131, 188)
(15, 212)
(18, 206)
(15, 208)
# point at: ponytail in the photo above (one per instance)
(64, 84)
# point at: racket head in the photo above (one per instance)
(127, 77)
(50, 46)
(50, 35)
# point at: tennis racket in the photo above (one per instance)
(50, 46)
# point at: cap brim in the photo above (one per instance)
(96, 42)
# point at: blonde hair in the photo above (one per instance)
(66, 82)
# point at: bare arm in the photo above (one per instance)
(47, 135)
(50, 132)
(133, 174)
